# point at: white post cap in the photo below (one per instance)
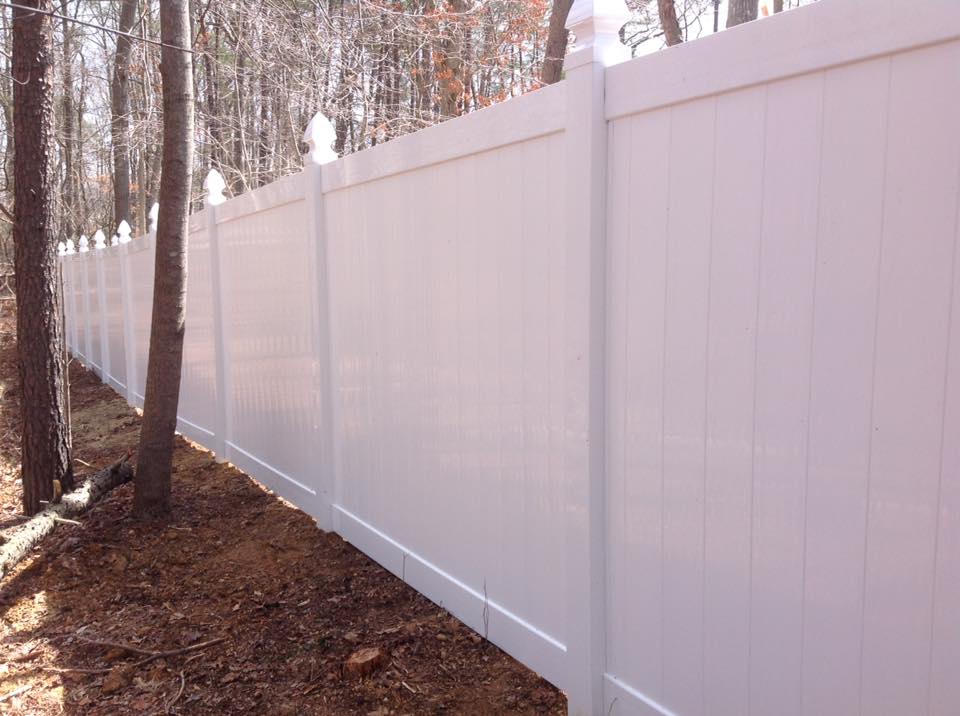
(70, 247)
(596, 26)
(123, 232)
(61, 249)
(215, 186)
(99, 240)
(152, 217)
(320, 136)
(84, 244)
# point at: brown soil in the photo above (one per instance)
(292, 602)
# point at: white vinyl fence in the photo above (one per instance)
(652, 377)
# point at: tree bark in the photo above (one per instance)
(120, 115)
(44, 439)
(27, 535)
(152, 486)
(778, 6)
(741, 11)
(557, 36)
(668, 20)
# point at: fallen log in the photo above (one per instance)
(27, 535)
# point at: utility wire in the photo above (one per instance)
(94, 26)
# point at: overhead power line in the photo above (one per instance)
(94, 26)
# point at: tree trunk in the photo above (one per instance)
(778, 5)
(120, 115)
(668, 20)
(152, 487)
(25, 537)
(44, 439)
(556, 42)
(740, 11)
(71, 219)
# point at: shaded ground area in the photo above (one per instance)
(292, 603)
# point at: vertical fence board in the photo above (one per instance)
(848, 246)
(785, 315)
(918, 213)
(684, 417)
(731, 361)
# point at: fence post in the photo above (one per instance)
(214, 185)
(596, 25)
(99, 244)
(319, 136)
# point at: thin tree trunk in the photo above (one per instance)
(741, 11)
(668, 20)
(152, 487)
(120, 119)
(70, 208)
(44, 439)
(557, 36)
(778, 5)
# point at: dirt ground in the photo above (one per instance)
(291, 603)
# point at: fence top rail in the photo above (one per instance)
(285, 190)
(816, 37)
(519, 119)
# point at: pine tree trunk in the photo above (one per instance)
(44, 439)
(120, 115)
(152, 485)
(556, 42)
(741, 11)
(668, 20)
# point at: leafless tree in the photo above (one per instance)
(668, 20)
(740, 11)
(557, 37)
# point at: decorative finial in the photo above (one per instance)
(99, 240)
(61, 249)
(215, 185)
(320, 136)
(596, 25)
(70, 247)
(152, 217)
(84, 244)
(123, 232)
(114, 240)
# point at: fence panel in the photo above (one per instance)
(272, 373)
(782, 271)
(198, 396)
(140, 257)
(449, 377)
(91, 311)
(113, 319)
